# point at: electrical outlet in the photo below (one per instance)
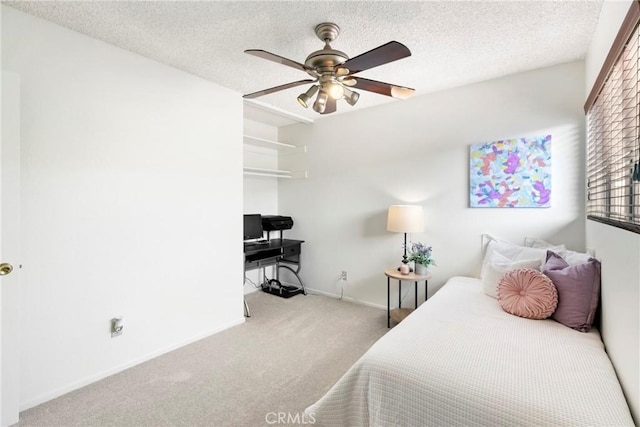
(343, 276)
(116, 327)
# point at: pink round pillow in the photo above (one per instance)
(528, 293)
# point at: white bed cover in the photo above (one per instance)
(460, 360)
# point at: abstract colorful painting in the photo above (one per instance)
(514, 173)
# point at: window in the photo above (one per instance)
(613, 132)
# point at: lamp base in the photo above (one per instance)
(404, 257)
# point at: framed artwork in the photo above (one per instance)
(514, 173)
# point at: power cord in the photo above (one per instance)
(251, 282)
(342, 282)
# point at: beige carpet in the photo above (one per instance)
(284, 358)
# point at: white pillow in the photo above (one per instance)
(575, 258)
(534, 242)
(516, 252)
(496, 265)
(571, 257)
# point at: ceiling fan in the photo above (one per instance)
(333, 72)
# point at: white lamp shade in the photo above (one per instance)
(405, 218)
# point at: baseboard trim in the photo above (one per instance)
(346, 298)
(119, 368)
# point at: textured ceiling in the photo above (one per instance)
(452, 42)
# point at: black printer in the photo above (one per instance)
(276, 222)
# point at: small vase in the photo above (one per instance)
(421, 269)
(404, 269)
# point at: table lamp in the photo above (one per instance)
(405, 219)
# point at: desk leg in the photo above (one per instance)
(388, 302)
(426, 282)
(247, 313)
(416, 289)
(399, 293)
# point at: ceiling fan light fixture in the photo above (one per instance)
(335, 90)
(321, 102)
(351, 97)
(304, 98)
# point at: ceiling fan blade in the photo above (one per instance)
(278, 88)
(277, 58)
(382, 88)
(384, 54)
(330, 107)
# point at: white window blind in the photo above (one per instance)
(613, 143)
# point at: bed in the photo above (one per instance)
(459, 359)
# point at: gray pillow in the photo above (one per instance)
(578, 290)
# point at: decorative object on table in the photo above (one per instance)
(405, 219)
(421, 256)
(404, 268)
(514, 173)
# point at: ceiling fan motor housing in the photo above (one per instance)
(324, 61)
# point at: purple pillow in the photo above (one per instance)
(578, 290)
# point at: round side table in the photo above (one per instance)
(398, 314)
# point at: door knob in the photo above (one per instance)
(5, 268)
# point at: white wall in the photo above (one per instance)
(417, 151)
(260, 193)
(611, 16)
(131, 203)
(618, 250)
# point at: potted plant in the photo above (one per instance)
(421, 255)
